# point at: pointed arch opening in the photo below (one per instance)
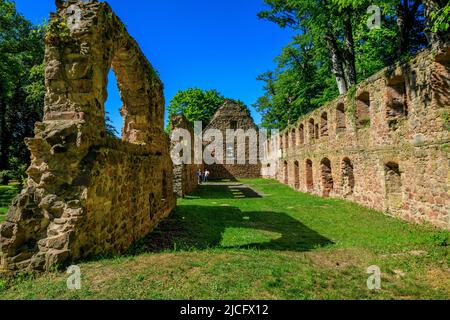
(348, 177)
(396, 106)
(309, 179)
(285, 172)
(341, 121)
(363, 110)
(312, 129)
(293, 138)
(302, 134)
(297, 175)
(327, 177)
(113, 105)
(393, 182)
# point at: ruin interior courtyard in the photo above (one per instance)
(383, 146)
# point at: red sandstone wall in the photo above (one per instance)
(400, 155)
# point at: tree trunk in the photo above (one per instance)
(336, 63)
(402, 23)
(349, 52)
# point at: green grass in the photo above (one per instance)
(233, 243)
(7, 193)
(3, 214)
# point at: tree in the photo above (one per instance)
(300, 83)
(196, 104)
(334, 41)
(22, 86)
(437, 13)
(328, 25)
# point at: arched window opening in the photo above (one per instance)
(113, 104)
(396, 106)
(286, 172)
(302, 134)
(393, 178)
(327, 177)
(348, 178)
(286, 140)
(341, 125)
(363, 110)
(312, 129)
(309, 175)
(293, 138)
(393, 181)
(297, 175)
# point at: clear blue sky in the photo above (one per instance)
(209, 44)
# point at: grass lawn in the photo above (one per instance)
(234, 243)
(3, 214)
(7, 193)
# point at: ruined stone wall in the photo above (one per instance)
(88, 193)
(231, 115)
(385, 146)
(185, 178)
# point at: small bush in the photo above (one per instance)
(442, 239)
(6, 176)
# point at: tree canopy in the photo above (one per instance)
(197, 104)
(335, 48)
(22, 86)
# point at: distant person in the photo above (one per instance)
(200, 176)
(207, 173)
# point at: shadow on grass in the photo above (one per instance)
(204, 227)
(196, 227)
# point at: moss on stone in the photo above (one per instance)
(57, 32)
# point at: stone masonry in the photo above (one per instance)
(185, 178)
(384, 145)
(231, 115)
(89, 193)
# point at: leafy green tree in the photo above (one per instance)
(297, 86)
(441, 19)
(196, 104)
(437, 13)
(22, 86)
(333, 41)
(328, 26)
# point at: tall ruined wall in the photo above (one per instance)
(88, 193)
(231, 115)
(185, 178)
(385, 146)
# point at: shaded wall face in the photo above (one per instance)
(81, 189)
(126, 198)
(397, 120)
(185, 178)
